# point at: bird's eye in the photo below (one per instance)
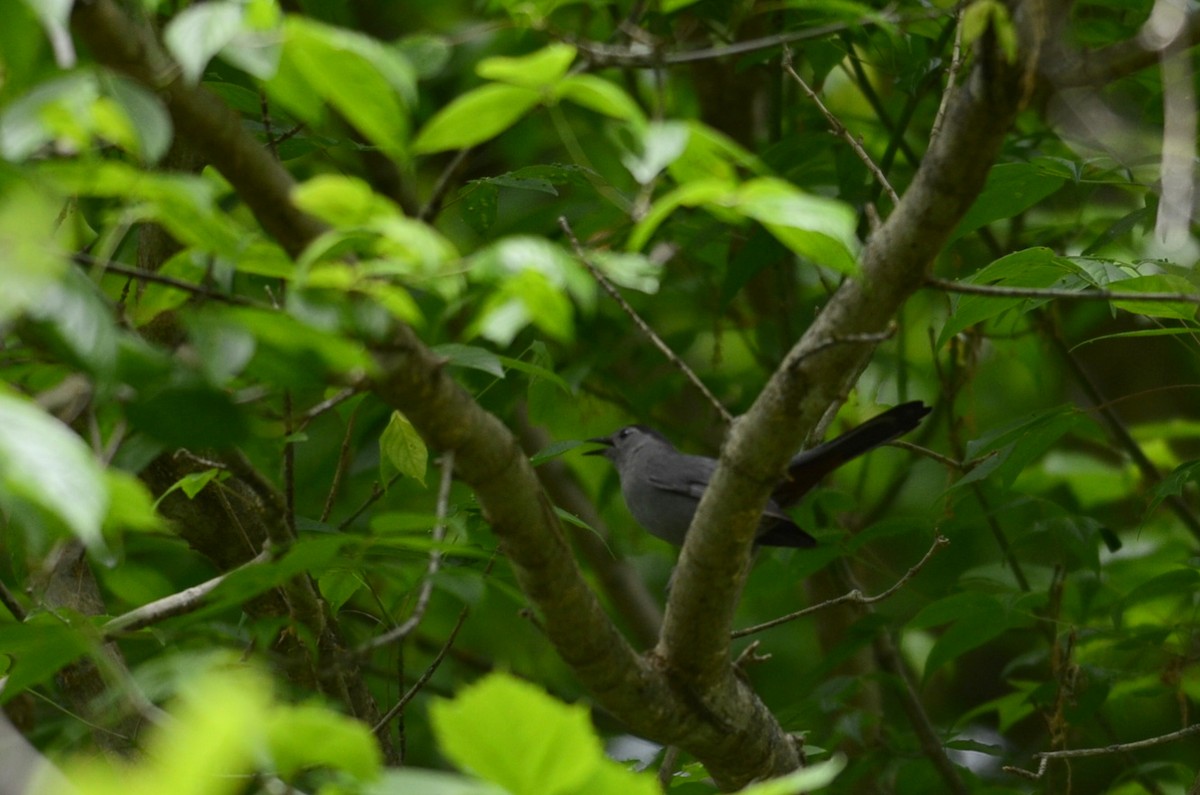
(625, 432)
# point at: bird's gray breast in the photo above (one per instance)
(664, 492)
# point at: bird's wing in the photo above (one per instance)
(689, 476)
(688, 487)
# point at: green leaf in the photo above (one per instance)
(554, 450)
(370, 84)
(1011, 188)
(1158, 283)
(596, 93)
(55, 16)
(661, 143)
(628, 269)
(471, 356)
(38, 648)
(520, 254)
(1172, 485)
(511, 733)
(474, 117)
(1175, 585)
(192, 414)
(303, 736)
(1030, 268)
(975, 618)
(1014, 446)
(73, 320)
(814, 776)
(147, 115)
(537, 371)
(131, 507)
(981, 15)
(47, 471)
(341, 200)
(402, 450)
(817, 228)
(199, 32)
(338, 585)
(713, 155)
(527, 297)
(538, 70)
(429, 782)
(690, 194)
(33, 261)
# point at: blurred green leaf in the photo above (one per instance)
(538, 70)
(471, 356)
(511, 733)
(307, 735)
(474, 117)
(596, 93)
(370, 84)
(47, 471)
(38, 648)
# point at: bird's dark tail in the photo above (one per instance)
(808, 467)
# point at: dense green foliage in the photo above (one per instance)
(219, 414)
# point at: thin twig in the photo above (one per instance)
(425, 676)
(377, 491)
(343, 464)
(1117, 427)
(325, 405)
(944, 460)
(166, 281)
(611, 289)
(9, 600)
(1052, 292)
(605, 55)
(1074, 753)
(866, 338)
(853, 597)
(438, 194)
(176, 604)
(431, 570)
(956, 61)
(839, 129)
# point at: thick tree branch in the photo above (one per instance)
(696, 632)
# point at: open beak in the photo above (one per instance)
(604, 440)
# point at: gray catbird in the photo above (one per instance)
(662, 486)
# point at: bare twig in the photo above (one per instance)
(325, 405)
(1051, 292)
(611, 289)
(1117, 426)
(9, 600)
(167, 281)
(438, 194)
(944, 460)
(956, 61)
(176, 604)
(1117, 748)
(839, 129)
(853, 597)
(431, 570)
(425, 676)
(343, 463)
(377, 491)
(605, 55)
(868, 338)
